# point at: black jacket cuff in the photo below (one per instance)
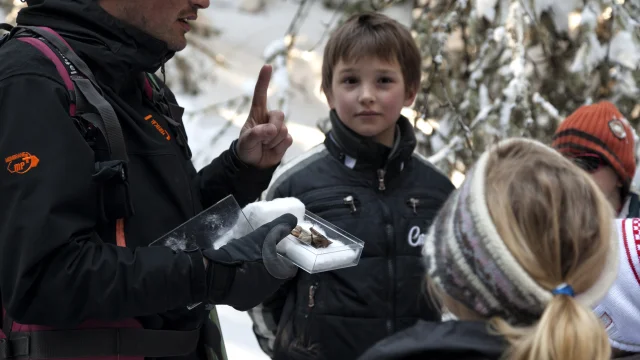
(198, 276)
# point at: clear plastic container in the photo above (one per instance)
(224, 221)
(211, 228)
(344, 250)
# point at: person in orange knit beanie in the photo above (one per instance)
(600, 140)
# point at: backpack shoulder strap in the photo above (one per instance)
(87, 99)
(81, 78)
(148, 88)
(46, 51)
(60, 67)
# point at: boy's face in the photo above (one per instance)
(368, 96)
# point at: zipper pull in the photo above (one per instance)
(381, 174)
(312, 295)
(349, 201)
(413, 202)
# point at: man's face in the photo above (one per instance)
(166, 20)
(368, 96)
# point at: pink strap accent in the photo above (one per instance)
(148, 90)
(56, 61)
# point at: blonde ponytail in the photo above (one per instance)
(566, 330)
(526, 223)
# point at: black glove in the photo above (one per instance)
(246, 271)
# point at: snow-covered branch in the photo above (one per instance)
(446, 150)
(518, 67)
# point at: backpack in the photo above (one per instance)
(92, 113)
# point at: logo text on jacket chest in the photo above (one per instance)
(416, 237)
(158, 127)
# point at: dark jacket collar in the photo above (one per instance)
(342, 142)
(114, 50)
(447, 340)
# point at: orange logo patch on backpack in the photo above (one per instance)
(21, 163)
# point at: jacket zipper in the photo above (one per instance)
(312, 295)
(189, 190)
(181, 150)
(392, 283)
(391, 299)
(310, 305)
(413, 203)
(349, 201)
(381, 173)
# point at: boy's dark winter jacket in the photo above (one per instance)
(460, 340)
(385, 197)
(59, 264)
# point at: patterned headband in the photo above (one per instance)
(466, 257)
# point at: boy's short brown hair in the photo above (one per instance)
(377, 35)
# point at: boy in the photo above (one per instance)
(600, 140)
(366, 180)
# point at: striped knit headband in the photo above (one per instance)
(465, 256)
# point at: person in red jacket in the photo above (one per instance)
(76, 225)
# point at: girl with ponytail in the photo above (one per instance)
(520, 254)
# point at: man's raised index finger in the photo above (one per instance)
(262, 86)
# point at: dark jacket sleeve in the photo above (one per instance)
(228, 175)
(54, 269)
(266, 316)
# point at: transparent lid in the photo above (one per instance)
(210, 229)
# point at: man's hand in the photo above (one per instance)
(247, 270)
(264, 138)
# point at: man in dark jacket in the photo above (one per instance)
(63, 264)
(367, 180)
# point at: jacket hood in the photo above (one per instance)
(104, 42)
(447, 340)
(367, 152)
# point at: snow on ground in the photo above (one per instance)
(239, 340)
(244, 38)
